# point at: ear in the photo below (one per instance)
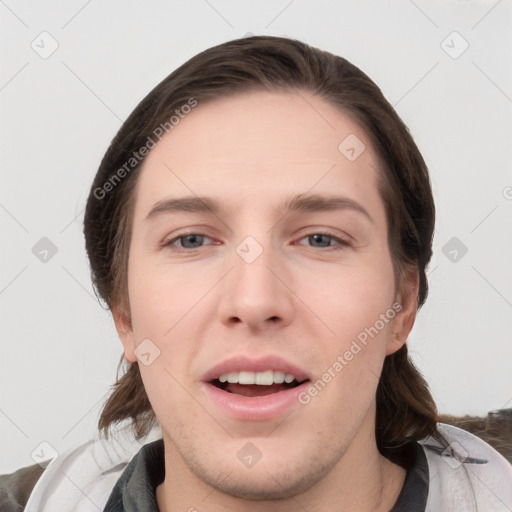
(403, 322)
(124, 329)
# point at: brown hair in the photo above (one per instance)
(405, 408)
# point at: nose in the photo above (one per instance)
(257, 293)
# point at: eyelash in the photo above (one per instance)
(340, 242)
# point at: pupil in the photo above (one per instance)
(320, 240)
(191, 241)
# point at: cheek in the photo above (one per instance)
(353, 305)
(171, 306)
(167, 394)
(161, 296)
(350, 299)
(164, 306)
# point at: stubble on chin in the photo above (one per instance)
(266, 480)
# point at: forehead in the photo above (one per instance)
(264, 143)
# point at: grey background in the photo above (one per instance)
(59, 349)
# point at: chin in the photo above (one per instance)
(273, 478)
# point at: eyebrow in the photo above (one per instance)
(299, 203)
(192, 204)
(320, 203)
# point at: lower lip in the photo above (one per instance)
(254, 408)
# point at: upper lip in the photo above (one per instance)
(251, 364)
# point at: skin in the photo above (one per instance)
(303, 302)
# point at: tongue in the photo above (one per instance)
(254, 389)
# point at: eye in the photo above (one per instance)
(189, 241)
(321, 240)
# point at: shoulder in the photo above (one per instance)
(466, 473)
(80, 478)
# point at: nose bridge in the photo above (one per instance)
(252, 264)
(252, 293)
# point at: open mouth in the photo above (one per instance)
(254, 384)
(248, 389)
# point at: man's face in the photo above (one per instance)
(279, 280)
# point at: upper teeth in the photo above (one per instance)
(266, 378)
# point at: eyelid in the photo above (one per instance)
(169, 241)
(340, 241)
(331, 229)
